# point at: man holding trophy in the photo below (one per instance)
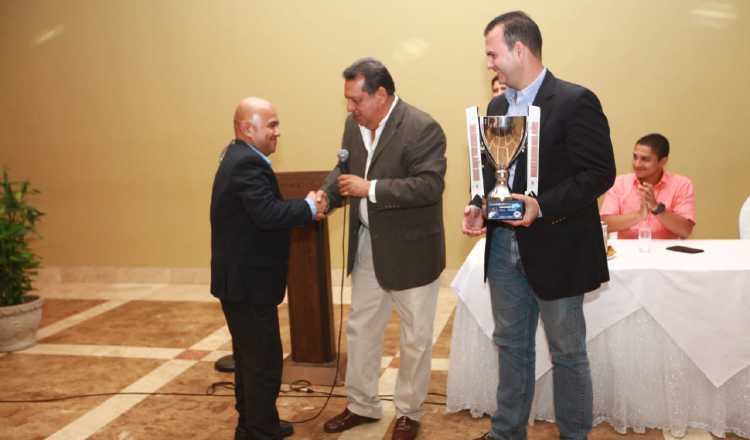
(544, 246)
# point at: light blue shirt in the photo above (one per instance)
(310, 202)
(520, 100)
(268, 161)
(518, 105)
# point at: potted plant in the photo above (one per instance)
(20, 312)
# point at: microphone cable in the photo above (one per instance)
(298, 386)
(306, 383)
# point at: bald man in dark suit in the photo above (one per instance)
(250, 223)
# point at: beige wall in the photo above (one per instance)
(117, 110)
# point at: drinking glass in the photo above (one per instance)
(644, 238)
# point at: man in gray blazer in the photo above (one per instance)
(394, 184)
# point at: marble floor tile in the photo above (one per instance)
(283, 311)
(440, 364)
(214, 340)
(121, 351)
(26, 376)
(70, 321)
(55, 309)
(300, 409)
(182, 292)
(147, 324)
(438, 386)
(194, 355)
(441, 348)
(155, 337)
(438, 425)
(179, 417)
(216, 355)
(109, 410)
(341, 297)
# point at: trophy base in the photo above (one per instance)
(505, 210)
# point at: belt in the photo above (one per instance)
(502, 225)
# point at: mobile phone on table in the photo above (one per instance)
(685, 249)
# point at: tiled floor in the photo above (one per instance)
(146, 338)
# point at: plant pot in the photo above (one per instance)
(19, 323)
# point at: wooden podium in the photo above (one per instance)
(309, 295)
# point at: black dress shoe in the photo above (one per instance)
(285, 430)
(486, 436)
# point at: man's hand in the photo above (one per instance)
(646, 190)
(321, 197)
(531, 212)
(643, 212)
(473, 224)
(353, 186)
(320, 205)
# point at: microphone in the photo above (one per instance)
(343, 156)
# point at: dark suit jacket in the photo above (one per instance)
(563, 252)
(250, 224)
(406, 223)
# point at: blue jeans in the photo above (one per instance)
(516, 310)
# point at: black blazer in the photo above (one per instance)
(250, 224)
(563, 251)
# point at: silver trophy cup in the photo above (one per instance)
(503, 136)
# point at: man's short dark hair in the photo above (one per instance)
(494, 78)
(375, 74)
(658, 144)
(517, 26)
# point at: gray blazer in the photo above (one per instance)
(406, 223)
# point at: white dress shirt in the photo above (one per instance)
(370, 145)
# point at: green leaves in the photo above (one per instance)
(17, 227)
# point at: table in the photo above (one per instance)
(668, 337)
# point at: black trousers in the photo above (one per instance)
(258, 358)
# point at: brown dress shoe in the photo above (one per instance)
(405, 429)
(346, 420)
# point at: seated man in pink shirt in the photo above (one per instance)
(650, 195)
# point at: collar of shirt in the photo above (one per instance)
(666, 177)
(371, 143)
(263, 156)
(520, 100)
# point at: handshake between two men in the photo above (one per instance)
(349, 186)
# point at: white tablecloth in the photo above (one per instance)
(669, 340)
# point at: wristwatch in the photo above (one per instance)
(659, 209)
